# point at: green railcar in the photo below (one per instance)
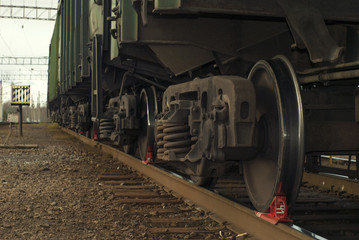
(54, 63)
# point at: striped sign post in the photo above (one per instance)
(20, 95)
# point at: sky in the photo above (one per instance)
(25, 38)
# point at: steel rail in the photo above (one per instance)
(339, 158)
(332, 182)
(238, 217)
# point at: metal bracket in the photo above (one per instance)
(144, 12)
(309, 31)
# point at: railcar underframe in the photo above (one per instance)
(209, 86)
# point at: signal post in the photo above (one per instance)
(20, 95)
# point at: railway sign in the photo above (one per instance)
(13, 117)
(20, 95)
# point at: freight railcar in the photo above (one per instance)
(208, 86)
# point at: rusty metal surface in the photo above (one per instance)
(237, 216)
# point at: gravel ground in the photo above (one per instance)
(53, 191)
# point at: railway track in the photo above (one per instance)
(167, 217)
(327, 215)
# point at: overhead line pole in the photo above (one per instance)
(23, 77)
(28, 12)
(24, 60)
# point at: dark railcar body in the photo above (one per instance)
(212, 85)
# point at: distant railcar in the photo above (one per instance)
(208, 86)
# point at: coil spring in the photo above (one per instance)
(106, 127)
(173, 137)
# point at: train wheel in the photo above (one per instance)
(148, 108)
(278, 166)
(129, 148)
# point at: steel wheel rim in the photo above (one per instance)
(278, 166)
(147, 118)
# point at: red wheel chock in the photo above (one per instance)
(278, 211)
(149, 156)
(95, 135)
